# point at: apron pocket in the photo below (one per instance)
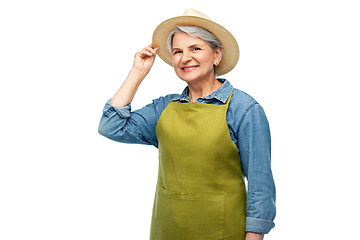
(189, 216)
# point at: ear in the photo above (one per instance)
(218, 55)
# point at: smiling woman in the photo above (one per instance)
(193, 61)
(209, 137)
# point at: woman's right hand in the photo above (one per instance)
(145, 58)
(141, 67)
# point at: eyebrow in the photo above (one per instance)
(191, 46)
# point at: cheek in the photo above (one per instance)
(206, 59)
(175, 63)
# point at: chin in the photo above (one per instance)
(194, 78)
(188, 78)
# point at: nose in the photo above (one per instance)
(186, 56)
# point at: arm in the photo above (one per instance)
(255, 153)
(142, 64)
(138, 127)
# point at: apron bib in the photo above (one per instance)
(200, 191)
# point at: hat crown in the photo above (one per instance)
(194, 13)
(192, 17)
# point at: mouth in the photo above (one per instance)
(189, 68)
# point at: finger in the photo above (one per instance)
(145, 54)
(149, 49)
(153, 47)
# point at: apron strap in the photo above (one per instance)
(229, 98)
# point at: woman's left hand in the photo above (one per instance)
(254, 236)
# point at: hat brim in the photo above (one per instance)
(231, 48)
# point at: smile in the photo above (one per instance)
(189, 68)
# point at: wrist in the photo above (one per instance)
(254, 236)
(137, 73)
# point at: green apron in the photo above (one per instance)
(200, 192)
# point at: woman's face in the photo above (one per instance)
(193, 59)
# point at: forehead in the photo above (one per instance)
(183, 40)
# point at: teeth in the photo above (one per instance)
(188, 68)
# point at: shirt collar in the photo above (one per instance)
(221, 94)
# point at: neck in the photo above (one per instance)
(203, 89)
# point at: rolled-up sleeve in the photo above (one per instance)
(255, 154)
(122, 125)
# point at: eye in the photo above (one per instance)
(176, 52)
(197, 49)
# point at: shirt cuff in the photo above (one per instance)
(109, 110)
(257, 225)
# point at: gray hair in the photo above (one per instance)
(199, 32)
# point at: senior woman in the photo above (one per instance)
(210, 137)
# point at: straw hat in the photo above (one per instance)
(192, 17)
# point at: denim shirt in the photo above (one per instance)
(249, 130)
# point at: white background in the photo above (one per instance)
(60, 61)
